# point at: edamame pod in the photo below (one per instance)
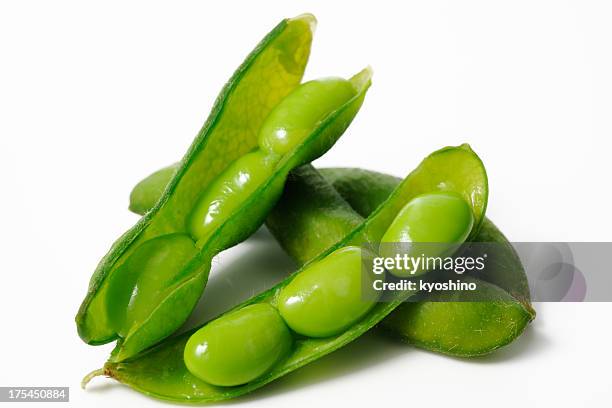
(365, 190)
(287, 125)
(324, 299)
(427, 324)
(461, 323)
(313, 215)
(162, 373)
(237, 206)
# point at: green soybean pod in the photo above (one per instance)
(365, 190)
(162, 372)
(461, 323)
(238, 347)
(215, 221)
(323, 300)
(457, 323)
(311, 216)
(314, 214)
(230, 134)
(291, 120)
(326, 298)
(287, 125)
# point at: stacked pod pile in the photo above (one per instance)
(222, 191)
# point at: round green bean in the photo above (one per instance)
(306, 106)
(146, 193)
(326, 298)
(239, 346)
(228, 191)
(431, 223)
(134, 291)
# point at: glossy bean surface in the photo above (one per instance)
(432, 217)
(228, 191)
(239, 346)
(326, 297)
(425, 226)
(135, 290)
(295, 117)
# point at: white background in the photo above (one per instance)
(94, 96)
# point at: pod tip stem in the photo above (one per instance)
(88, 377)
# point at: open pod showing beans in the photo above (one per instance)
(263, 124)
(451, 322)
(192, 368)
(319, 208)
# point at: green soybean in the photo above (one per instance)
(147, 192)
(326, 297)
(238, 347)
(430, 221)
(434, 217)
(135, 290)
(218, 195)
(228, 192)
(291, 120)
